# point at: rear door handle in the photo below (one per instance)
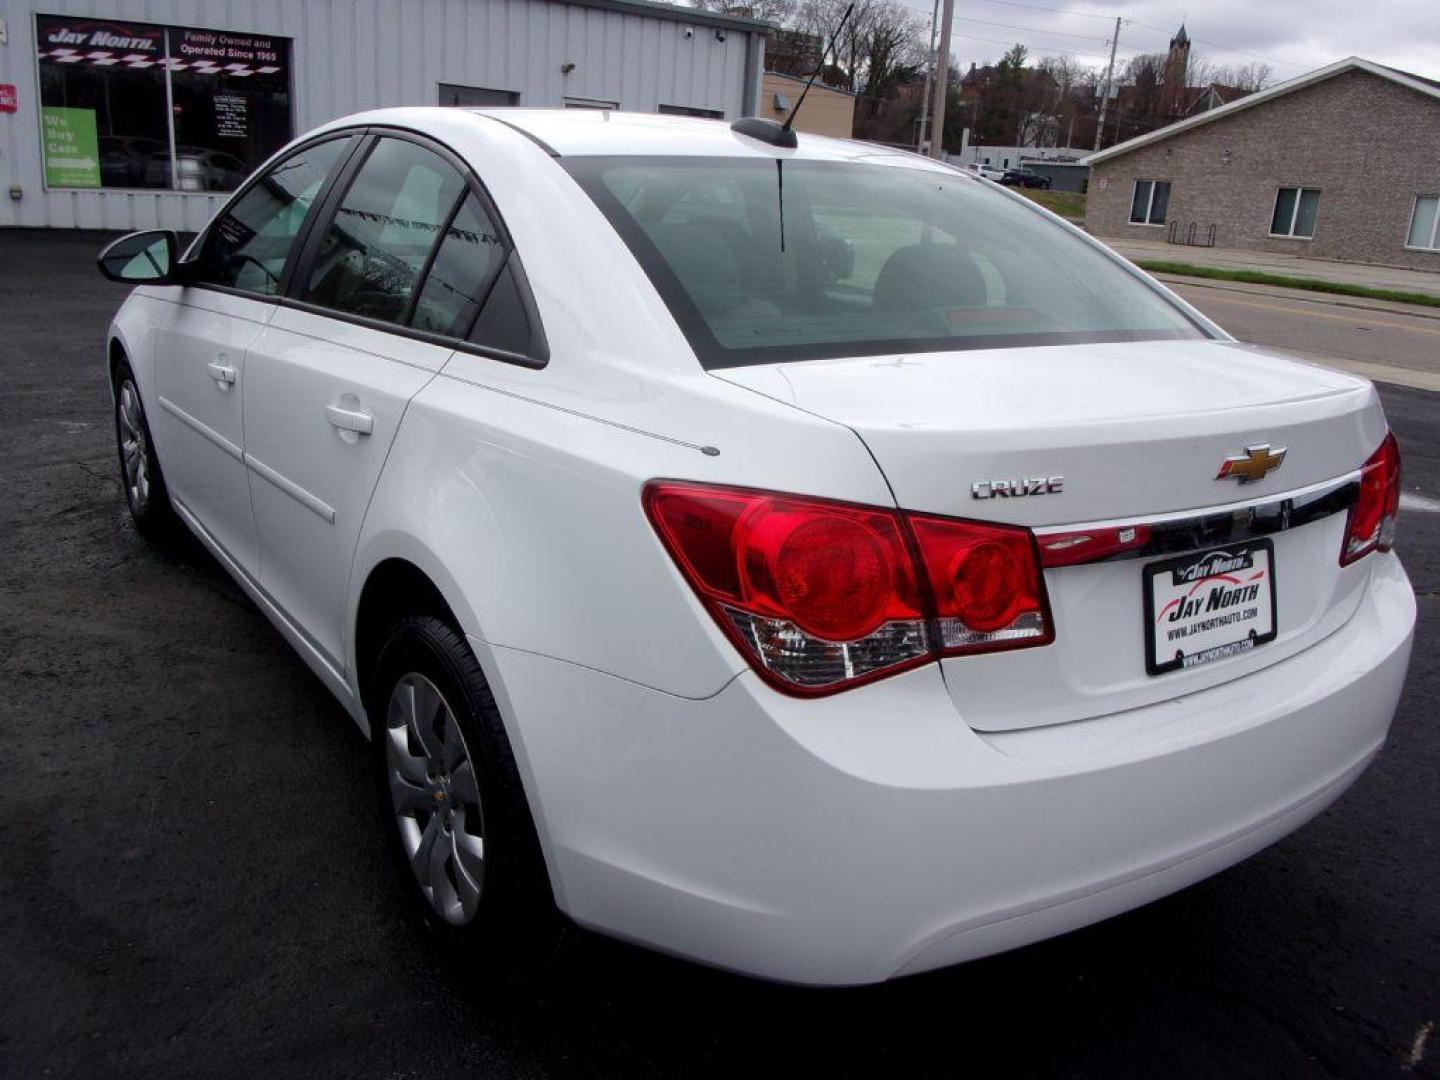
(223, 374)
(356, 420)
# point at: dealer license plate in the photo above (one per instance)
(1209, 606)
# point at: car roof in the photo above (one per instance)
(595, 132)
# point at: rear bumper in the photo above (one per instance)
(872, 834)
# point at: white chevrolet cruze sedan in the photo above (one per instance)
(808, 559)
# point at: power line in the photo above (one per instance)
(1148, 26)
(1033, 29)
(1051, 10)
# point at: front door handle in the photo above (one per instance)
(356, 420)
(223, 374)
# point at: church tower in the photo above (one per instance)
(1177, 65)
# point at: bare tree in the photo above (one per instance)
(772, 11)
(1248, 77)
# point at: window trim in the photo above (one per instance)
(1434, 225)
(307, 241)
(1299, 190)
(1146, 223)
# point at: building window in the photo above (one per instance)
(1425, 223)
(136, 105)
(689, 110)
(1150, 201)
(589, 103)
(476, 97)
(1295, 210)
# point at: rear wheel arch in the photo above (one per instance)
(394, 589)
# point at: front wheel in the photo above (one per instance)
(455, 812)
(140, 475)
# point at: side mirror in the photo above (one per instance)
(150, 257)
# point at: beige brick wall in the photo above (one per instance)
(1369, 145)
(825, 112)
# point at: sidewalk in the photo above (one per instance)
(1376, 277)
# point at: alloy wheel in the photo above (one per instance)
(134, 447)
(435, 793)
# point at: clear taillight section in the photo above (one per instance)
(1371, 526)
(821, 596)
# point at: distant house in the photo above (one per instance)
(1340, 163)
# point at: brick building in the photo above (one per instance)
(1341, 163)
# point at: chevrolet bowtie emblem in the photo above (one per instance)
(1254, 464)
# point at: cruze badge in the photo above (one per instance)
(1016, 489)
(1254, 464)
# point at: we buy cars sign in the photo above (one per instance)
(9, 99)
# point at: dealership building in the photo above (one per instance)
(132, 114)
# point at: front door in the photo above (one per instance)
(201, 345)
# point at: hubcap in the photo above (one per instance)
(134, 451)
(435, 793)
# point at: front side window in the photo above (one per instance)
(1149, 202)
(1295, 210)
(763, 261)
(372, 254)
(248, 246)
(1425, 223)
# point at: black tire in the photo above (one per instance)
(145, 492)
(516, 926)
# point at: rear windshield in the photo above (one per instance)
(763, 261)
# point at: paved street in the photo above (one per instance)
(1395, 343)
(192, 883)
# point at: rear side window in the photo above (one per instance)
(250, 243)
(766, 261)
(376, 247)
(465, 266)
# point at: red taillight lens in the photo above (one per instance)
(987, 584)
(1371, 526)
(821, 596)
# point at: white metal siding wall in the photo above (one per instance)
(360, 54)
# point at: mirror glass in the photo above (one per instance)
(139, 257)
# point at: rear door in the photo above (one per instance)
(392, 278)
(200, 347)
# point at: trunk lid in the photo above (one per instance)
(1137, 431)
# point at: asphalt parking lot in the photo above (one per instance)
(192, 883)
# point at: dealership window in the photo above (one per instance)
(1425, 223)
(476, 97)
(138, 105)
(1295, 210)
(1149, 202)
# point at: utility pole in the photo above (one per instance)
(1109, 77)
(942, 81)
(929, 79)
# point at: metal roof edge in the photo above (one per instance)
(676, 13)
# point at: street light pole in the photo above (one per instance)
(1109, 77)
(942, 81)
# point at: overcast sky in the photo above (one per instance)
(1292, 36)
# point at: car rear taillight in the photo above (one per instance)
(821, 596)
(1371, 526)
(988, 589)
